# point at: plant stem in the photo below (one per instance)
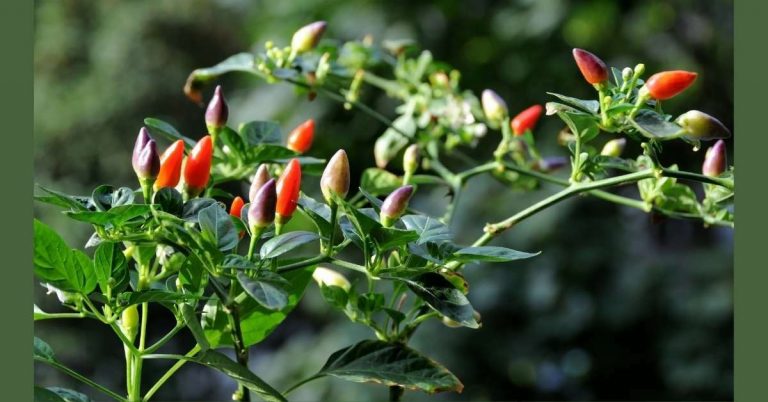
(78, 376)
(241, 351)
(255, 235)
(300, 383)
(301, 264)
(395, 393)
(331, 238)
(138, 361)
(162, 341)
(171, 371)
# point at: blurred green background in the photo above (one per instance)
(618, 306)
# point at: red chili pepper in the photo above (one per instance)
(197, 169)
(288, 187)
(526, 119)
(300, 139)
(237, 207)
(667, 84)
(592, 68)
(170, 166)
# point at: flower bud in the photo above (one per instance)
(551, 163)
(147, 166)
(395, 204)
(217, 113)
(592, 67)
(614, 148)
(141, 141)
(307, 37)
(335, 179)
(715, 160)
(667, 84)
(639, 69)
(288, 188)
(129, 322)
(494, 107)
(411, 159)
(328, 277)
(261, 213)
(259, 179)
(702, 126)
(626, 73)
(300, 139)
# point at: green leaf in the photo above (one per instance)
(77, 203)
(557, 108)
(334, 295)
(654, 125)
(161, 128)
(66, 395)
(591, 106)
(257, 322)
(491, 254)
(67, 269)
(193, 207)
(389, 238)
(379, 181)
(389, 144)
(429, 229)
(583, 125)
(46, 395)
(238, 62)
(109, 262)
(116, 216)
(193, 323)
(169, 200)
(318, 212)
(42, 350)
(217, 227)
(440, 294)
(261, 132)
(267, 289)
(284, 243)
(269, 153)
(240, 374)
(390, 364)
(375, 202)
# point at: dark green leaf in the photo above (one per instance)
(390, 364)
(491, 254)
(116, 216)
(54, 262)
(236, 261)
(375, 202)
(42, 350)
(169, 200)
(591, 106)
(240, 374)
(151, 296)
(318, 212)
(389, 238)
(654, 125)
(45, 395)
(193, 323)
(269, 153)
(267, 289)
(284, 243)
(335, 296)
(159, 127)
(379, 181)
(74, 202)
(428, 229)
(216, 226)
(67, 395)
(109, 262)
(440, 294)
(193, 207)
(261, 132)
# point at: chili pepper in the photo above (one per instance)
(715, 160)
(217, 113)
(197, 168)
(701, 126)
(261, 213)
(328, 277)
(288, 187)
(667, 84)
(237, 206)
(614, 148)
(526, 119)
(592, 67)
(410, 162)
(259, 179)
(129, 322)
(307, 37)
(394, 205)
(335, 179)
(300, 139)
(147, 165)
(494, 107)
(170, 166)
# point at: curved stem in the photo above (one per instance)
(171, 371)
(301, 264)
(300, 383)
(74, 374)
(162, 341)
(681, 174)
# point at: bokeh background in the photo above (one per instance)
(618, 306)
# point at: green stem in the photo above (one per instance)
(680, 174)
(126, 342)
(171, 371)
(395, 393)
(80, 377)
(241, 351)
(255, 235)
(301, 264)
(162, 341)
(349, 265)
(331, 238)
(49, 316)
(137, 359)
(300, 383)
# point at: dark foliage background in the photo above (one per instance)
(618, 306)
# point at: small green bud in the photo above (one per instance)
(626, 73)
(494, 107)
(411, 159)
(614, 148)
(395, 204)
(323, 67)
(129, 322)
(639, 69)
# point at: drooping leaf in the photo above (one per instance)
(193, 323)
(284, 243)
(318, 212)
(491, 254)
(161, 128)
(268, 288)
(42, 350)
(591, 106)
(216, 226)
(654, 125)
(390, 364)
(440, 294)
(242, 375)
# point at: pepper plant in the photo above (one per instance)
(229, 271)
